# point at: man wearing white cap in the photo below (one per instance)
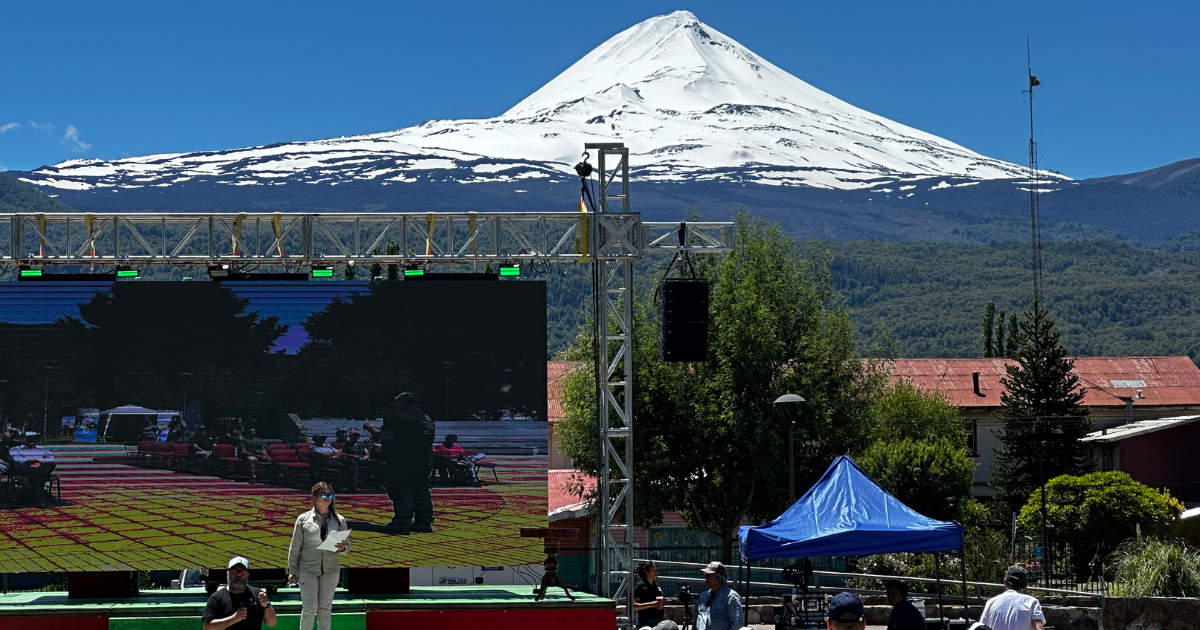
(237, 605)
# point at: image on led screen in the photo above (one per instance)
(104, 388)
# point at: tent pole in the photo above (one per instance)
(962, 555)
(937, 568)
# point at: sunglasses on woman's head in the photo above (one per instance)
(325, 495)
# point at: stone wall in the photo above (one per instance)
(1152, 613)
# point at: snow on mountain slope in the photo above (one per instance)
(690, 103)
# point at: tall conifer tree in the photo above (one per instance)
(1043, 420)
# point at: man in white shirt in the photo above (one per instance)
(1013, 609)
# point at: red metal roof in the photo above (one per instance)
(556, 372)
(1163, 381)
(559, 484)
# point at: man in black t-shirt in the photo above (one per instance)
(237, 605)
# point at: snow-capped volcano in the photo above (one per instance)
(690, 103)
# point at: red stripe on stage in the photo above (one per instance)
(524, 619)
(54, 623)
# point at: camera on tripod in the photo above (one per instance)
(685, 596)
(799, 573)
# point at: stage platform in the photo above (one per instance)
(425, 608)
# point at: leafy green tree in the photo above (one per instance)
(210, 344)
(919, 453)
(1097, 511)
(930, 476)
(709, 441)
(1043, 421)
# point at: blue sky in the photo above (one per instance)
(1121, 82)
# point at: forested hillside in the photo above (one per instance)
(1108, 298)
(17, 196)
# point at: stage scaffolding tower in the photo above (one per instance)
(612, 238)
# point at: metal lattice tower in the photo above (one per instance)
(615, 366)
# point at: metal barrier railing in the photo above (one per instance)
(872, 576)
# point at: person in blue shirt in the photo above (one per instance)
(720, 607)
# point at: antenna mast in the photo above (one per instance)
(1035, 212)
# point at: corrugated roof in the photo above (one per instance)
(561, 500)
(1141, 427)
(1168, 381)
(556, 372)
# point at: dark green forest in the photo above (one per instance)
(928, 299)
(1108, 298)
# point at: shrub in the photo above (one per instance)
(1158, 568)
(1097, 511)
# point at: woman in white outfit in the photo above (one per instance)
(316, 570)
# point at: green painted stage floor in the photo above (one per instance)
(186, 606)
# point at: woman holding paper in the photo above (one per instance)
(314, 568)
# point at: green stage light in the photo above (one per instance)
(31, 273)
(510, 270)
(322, 272)
(127, 273)
(410, 273)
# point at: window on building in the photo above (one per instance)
(972, 429)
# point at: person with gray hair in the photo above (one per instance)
(720, 607)
(1013, 609)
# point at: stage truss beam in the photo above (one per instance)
(615, 417)
(146, 238)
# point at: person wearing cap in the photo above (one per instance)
(407, 442)
(720, 607)
(1013, 609)
(237, 605)
(846, 612)
(315, 570)
(905, 615)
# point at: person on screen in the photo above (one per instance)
(355, 455)
(32, 466)
(150, 431)
(444, 455)
(237, 605)
(201, 445)
(408, 449)
(339, 439)
(253, 450)
(316, 570)
(232, 437)
(176, 430)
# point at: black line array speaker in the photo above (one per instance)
(683, 320)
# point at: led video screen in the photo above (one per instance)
(172, 425)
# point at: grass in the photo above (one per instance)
(1158, 568)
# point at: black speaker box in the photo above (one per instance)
(683, 320)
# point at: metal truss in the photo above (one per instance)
(615, 367)
(612, 238)
(141, 238)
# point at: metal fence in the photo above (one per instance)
(578, 567)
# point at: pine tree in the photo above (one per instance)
(1042, 418)
(989, 329)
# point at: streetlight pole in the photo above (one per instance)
(785, 399)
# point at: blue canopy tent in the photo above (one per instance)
(847, 514)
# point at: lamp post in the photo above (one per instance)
(785, 399)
